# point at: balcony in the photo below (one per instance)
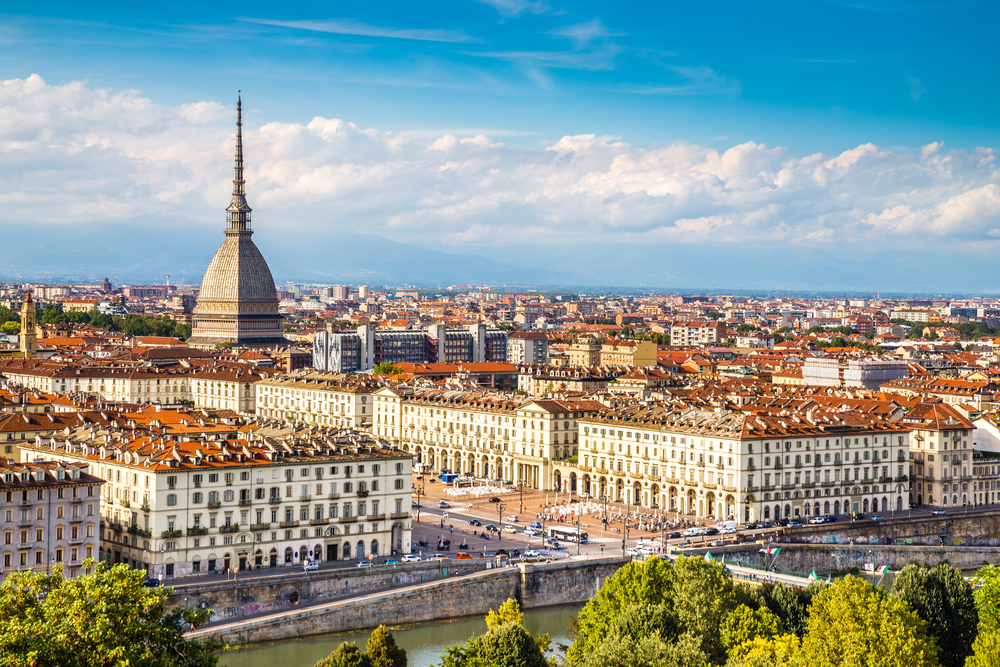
(903, 478)
(304, 499)
(258, 527)
(288, 524)
(362, 494)
(245, 502)
(25, 502)
(141, 532)
(76, 540)
(333, 496)
(194, 531)
(318, 522)
(274, 500)
(76, 500)
(117, 527)
(375, 517)
(144, 507)
(25, 524)
(124, 502)
(399, 515)
(76, 519)
(230, 528)
(214, 504)
(170, 534)
(349, 519)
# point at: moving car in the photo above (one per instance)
(830, 519)
(718, 543)
(487, 554)
(816, 520)
(531, 531)
(463, 556)
(443, 505)
(795, 524)
(711, 531)
(673, 535)
(510, 530)
(876, 517)
(691, 532)
(937, 512)
(513, 518)
(535, 524)
(365, 563)
(490, 528)
(151, 583)
(411, 558)
(728, 531)
(632, 552)
(494, 499)
(310, 565)
(475, 522)
(532, 553)
(391, 561)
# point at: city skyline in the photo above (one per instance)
(615, 154)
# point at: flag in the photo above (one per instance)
(882, 570)
(869, 567)
(708, 555)
(770, 551)
(812, 576)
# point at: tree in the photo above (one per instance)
(8, 315)
(649, 582)
(789, 605)
(104, 617)
(744, 625)
(744, 328)
(942, 597)
(650, 651)
(703, 595)
(852, 624)
(10, 328)
(506, 645)
(382, 649)
(780, 651)
(985, 650)
(387, 368)
(988, 597)
(224, 345)
(345, 655)
(509, 612)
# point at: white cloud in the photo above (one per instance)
(514, 8)
(75, 153)
(352, 27)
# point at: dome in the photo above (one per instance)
(237, 273)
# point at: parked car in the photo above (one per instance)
(817, 520)
(781, 523)
(475, 522)
(411, 558)
(535, 524)
(510, 530)
(151, 583)
(830, 519)
(718, 543)
(310, 565)
(462, 555)
(443, 505)
(531, 531)
(766, 524)
(795, 524)
(513, 518)
(494, 499)
(937, 512)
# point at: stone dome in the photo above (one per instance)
(237, 274)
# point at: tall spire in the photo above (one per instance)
(238, 213)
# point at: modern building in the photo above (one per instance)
(51, 516)
(267, 497)
(527, 347)
(237, 302)
(697, 332)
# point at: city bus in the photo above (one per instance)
(567, 534)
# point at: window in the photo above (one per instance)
(213, 478)
(399, 484)
(196, 497)
(171, 499)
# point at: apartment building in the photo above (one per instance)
(527, 347)
(545, 380)
(740, 465)
(628, 353)
(51, 516)
(584, 354)
(941, 456)
(318, 398)
(268, 497)
(496, 436)
(203, 383)
(697, 332)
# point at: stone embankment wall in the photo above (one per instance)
(972, 529)
(533, 585)
(826, 558)
(235, 599)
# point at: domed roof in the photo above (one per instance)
(237, 273)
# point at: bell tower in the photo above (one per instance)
(28, 337)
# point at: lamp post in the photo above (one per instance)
(624, 529)
(420, 493)
(520, 489)
(500, 508)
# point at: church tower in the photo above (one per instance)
(237, 302)
(29, 322)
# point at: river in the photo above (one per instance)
(424, 643)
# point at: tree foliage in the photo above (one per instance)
(508, 612)
(744, 625)
(380, 651)
(387, 368)
(852, 624)
(101, 619)
(346, 655)
(985, 650)
(988, 597)
(133, 325)
(942, 597)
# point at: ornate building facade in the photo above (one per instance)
(237, 302)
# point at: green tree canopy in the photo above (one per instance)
(943, 598)
(852, 624)
(346, 655)
(382, 649)
(386, 368)
(988, 597)
(104, 618)
(744, 625)
(10, 328)
(509, 612)
(985, 650)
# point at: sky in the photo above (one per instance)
(808, 144)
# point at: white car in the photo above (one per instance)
(365, 563)
(728, 531)
(513, 518)
(690, 532)
(632, 552)
(646, 551)
(531, 553)
(311, 565)
(531, 531)
(443, 505)
(411, 558)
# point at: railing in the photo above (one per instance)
(245, 502)
(258, 527)
(214, 504)
(141, 532)
(288, 524)
(362, 494)
(375, 517)
(348, 519)
(399, 515)
(318, 522)
(144, 507)
(305, 498)
(169, 534)
(75, 519)
(274, 500)
(230, 528)
(197, 530)
(124, 502)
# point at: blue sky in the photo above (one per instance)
(838, 127)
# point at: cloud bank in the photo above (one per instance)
(74, 153)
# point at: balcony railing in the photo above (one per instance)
(214, 504)
(230, 528)
(170, 534)
(197, 530)
(274, 500)
(245, 502)
(141, 532)
(288, 524)
(258, 527)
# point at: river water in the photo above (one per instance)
(424, 643)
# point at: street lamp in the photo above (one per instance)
(420, 492)
(500, 508)
(520, 488)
